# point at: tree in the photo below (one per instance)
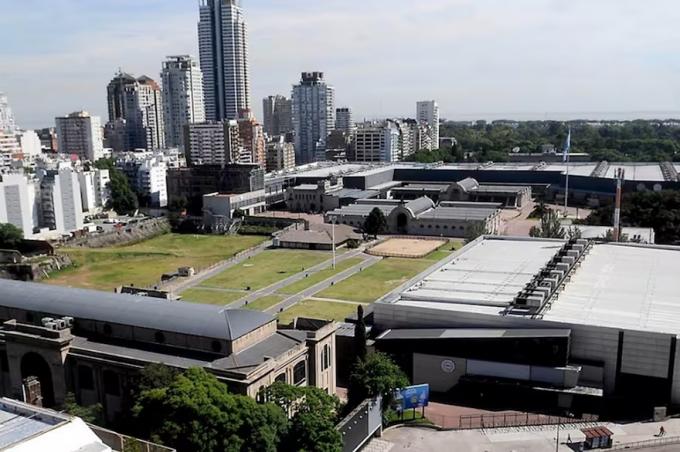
(360, 350)
(195, 412)
(156, 376)
(123, 198)
(375, 223)
(10, 236)
(312, 413)
(93, 414)
(376, 375)
(550, 227)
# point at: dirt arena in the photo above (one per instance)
(410, 248)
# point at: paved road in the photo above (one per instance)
(183, 284)
(293, 300)
(270, 290)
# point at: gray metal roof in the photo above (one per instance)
(420, 205)
(144, 312)
(474, 333)
(458, 213)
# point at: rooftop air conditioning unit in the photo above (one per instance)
(46, 320)
(51, 326)
(61, 324)
(69, 321)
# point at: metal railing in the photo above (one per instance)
(504, 420)
(656, 442)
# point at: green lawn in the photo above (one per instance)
(318, 277)
(377, 280)
(143, 264)
(264, 303)
(266, 268)
(317, 309)
(212, 296)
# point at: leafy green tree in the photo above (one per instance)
(10, 236)
(550, 227)
(360, 337)
(376, 375)
(123, 199)
(93, 414)
(195, 412)
(375, 223)
(313, 416)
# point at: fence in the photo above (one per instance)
(503, 420)
(657, 442)
(125, 443)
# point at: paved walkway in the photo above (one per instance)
(182, 284)
(307, 293)
(272, 289)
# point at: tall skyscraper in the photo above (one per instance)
(278, 115)
(80, 134)
(343, 119)
(143, 109)
(313, 117)
(223, 51)
(183, 104)
(6, 116)
(115, 95)
(428, 112)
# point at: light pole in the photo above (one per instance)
(333, 233)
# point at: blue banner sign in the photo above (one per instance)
(414, 396)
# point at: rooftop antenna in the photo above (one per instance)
(620, 175)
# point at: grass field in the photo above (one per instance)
(143, 264)
(318, 277)
(217, 297)
(264, 303)
(379, 279)
(266, 268)
(316, 309)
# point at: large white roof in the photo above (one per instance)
(616, 285)
(632, 287)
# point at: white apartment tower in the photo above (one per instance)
(377, 142)
(80, 134)
(183, 103)
(7, 123)
(143, 108)
(428, 112)
(60, 201)
(313, 117)
(223, 52)
(18, 202)
(214, 143)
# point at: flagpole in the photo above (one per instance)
(567, 155)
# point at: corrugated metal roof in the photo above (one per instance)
(144, 312)
(474, 333)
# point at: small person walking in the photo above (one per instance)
(662, 431)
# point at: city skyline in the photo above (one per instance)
(481, 59)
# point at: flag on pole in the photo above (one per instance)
(567, 146)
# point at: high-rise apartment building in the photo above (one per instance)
(214, 143)
(428, 112)
(183, 103)
(80, 134)
(18, 202)
(30, 144)
(343, 120)
(61, 205)
(7, 123)
(377, 142)
(278, 115)
(143, 109)
(280, 155)
(223, 51)
(252, 138)
(10, 149)
(115, 95)
(313, 116)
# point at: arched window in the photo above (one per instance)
(111, 383)
(281, 378)
(300, 373)
(160, 337)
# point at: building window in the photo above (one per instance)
(111, 383)
(326, 357)
(216, 346)
(107, 329)
(280, 378)
(160, 337)
(85, 378)
(300, 373)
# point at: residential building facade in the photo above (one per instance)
(61, 206)
(183, 102)
(428, 112)
(313, 116)
(278, 115)
(144, 115)
(343, 120)
(7, 123)
(214, 143)
(252, 138)
(80, 134)
(377, 142)
(19, 203)
(115, 95)
(280, 155)
(223, 51)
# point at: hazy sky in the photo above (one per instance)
(478, 58)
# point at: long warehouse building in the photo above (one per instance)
(579, 325)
